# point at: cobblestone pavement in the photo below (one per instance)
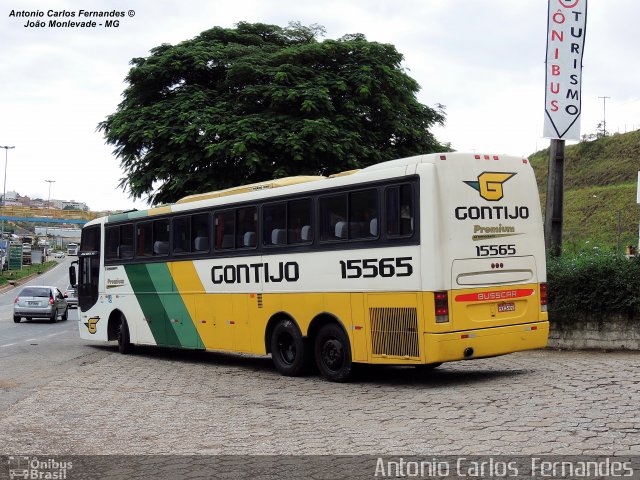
(163, 401)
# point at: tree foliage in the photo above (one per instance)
(242, 105)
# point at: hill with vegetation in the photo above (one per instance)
(600, 181)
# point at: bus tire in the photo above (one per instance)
(289, 351)
(333, 353)
(124, 341)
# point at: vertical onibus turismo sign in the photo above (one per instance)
(566, 30)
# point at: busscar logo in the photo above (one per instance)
(91, 325)
(489, 184)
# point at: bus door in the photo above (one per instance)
(89, 268)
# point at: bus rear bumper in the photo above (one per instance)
(489, 342)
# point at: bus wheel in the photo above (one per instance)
(124, 343)
(288, 349)
(333, 354)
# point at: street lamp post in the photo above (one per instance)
(46, 226)
(4, 194)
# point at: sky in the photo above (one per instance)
(482, 59)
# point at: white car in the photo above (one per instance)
(58, 255)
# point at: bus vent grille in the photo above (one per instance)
(259, 295)
(394, 332)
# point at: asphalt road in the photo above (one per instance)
(35, 352)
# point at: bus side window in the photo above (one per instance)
(126, 241)
(274, 224)
(145, 239)
(111, 242)
(224, 229)
(200, 232)
(363, 214)
(246, 227)
(400, 211)
(161, 237)
(182, 235)
(333, 217)
(299, 221)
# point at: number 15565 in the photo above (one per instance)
(495, 250)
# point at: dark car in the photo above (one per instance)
(40, 302)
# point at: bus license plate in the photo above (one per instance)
(507, 307)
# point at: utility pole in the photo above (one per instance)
(46, 228)
(553, 210)
(604, 115)
(4, 195)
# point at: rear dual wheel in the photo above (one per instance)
(333, 353)
(292, 355)
(289, 350)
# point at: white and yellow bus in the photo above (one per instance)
(417, 261)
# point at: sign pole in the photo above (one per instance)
(553, 216)
(566, 31)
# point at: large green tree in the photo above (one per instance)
(242, 105)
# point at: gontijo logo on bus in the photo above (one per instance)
(495, 295)
(91, 324)
(489, 184)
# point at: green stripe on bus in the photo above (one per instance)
(180, 320)
(151, 303)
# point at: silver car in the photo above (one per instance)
(72, 296)
(40, 302)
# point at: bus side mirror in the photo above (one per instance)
(72, 274)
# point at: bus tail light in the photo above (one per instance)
(543, 297)
(441, 307)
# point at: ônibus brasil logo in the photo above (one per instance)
(489, 184)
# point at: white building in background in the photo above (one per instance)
(11, 198)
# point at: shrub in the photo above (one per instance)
(592, 283)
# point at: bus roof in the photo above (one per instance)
(279, 182)
(339, 178)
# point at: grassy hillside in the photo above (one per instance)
(600, 180)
